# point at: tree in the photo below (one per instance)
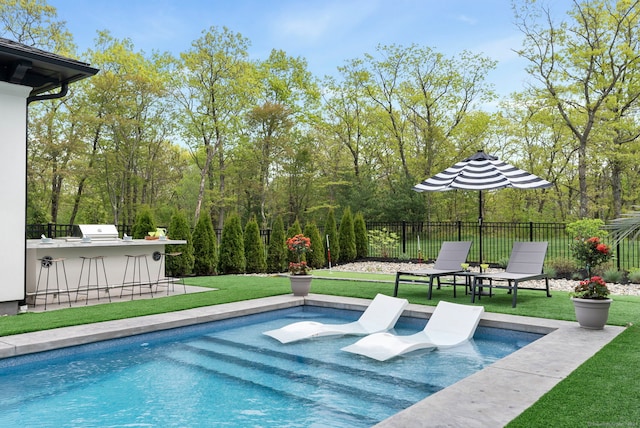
(182, 264)
(315, 257)
(588, 69)
(205, 247)
(331, 230)
(232, 259)
(211, 88)
(347, 237)
(254, 248)
(277, 251)
(144, 224)
(360, 232)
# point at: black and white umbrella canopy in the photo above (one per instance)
(481, 172)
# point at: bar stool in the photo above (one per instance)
(137, 267)
(46, 263)
(88, 285)
(168, 281)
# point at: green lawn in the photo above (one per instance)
(601, 392)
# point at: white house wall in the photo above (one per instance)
(13, 146)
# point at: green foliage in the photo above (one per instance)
(277, 250)
(586, 228)
(362, 241)
(181, 265)
(347, 237)
(144, 224)
(315, 258)
(383, 242)
(613, 276)
(254, 248)
(294, 230)
(634, 276)
(590, 252)
(232, 259)
(561, 267)
(331, 229)
(204, 246)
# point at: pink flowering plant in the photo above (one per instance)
(591, 288)
(299, 245)
(591, 252)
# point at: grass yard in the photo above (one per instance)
(601, 392)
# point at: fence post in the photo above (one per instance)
(50, 230)
(404, 237)
(459, 230)
(531, 231)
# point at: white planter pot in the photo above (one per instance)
(300, 284)
(592, 313)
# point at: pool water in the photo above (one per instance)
(228, 373)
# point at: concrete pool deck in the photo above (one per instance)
(489, 398)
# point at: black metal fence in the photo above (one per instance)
(422, 240)
(492, 242)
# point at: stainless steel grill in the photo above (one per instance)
(104, 232)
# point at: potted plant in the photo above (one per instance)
(300, 272)
(591, 253)
(591, 303)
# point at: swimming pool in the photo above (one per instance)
(228, 373)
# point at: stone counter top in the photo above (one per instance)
(77, 242)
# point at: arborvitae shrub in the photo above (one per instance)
(183, 264)
(204, 246)
(362, 240)
(331, 229)
(294, 230)
(347, 237)
(254, 248)
(143, 225)
(232, 260)
(277, 250)
(315, 258)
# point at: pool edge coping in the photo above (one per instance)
(489, 398)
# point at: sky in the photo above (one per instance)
(327, 33)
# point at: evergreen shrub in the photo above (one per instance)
(232, 259)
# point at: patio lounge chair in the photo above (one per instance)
(452, 254)
(525, 264)
(381, 315)
(451, 324)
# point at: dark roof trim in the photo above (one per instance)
(43, 71)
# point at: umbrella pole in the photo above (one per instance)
(480, 222)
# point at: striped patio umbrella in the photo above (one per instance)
(481, 172)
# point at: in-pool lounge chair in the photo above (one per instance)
(381, 315)
(525, 264)
(452, 254)
(451, 324)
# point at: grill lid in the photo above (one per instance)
(96, 231)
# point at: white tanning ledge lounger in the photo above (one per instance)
(381, 315)
(450, 324)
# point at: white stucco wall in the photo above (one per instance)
(13, 146)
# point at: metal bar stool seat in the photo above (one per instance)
(136, 281)
(46, 263)
(88, 286)
(168, 281)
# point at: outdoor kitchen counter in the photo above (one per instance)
(114, 251)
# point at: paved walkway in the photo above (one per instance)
(60, 301)
(489, 398)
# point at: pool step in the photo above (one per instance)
(316, 395)
(377, 383)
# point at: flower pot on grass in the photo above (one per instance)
(300, 272)
(592, 313)
(300, 284)
(591, 303)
